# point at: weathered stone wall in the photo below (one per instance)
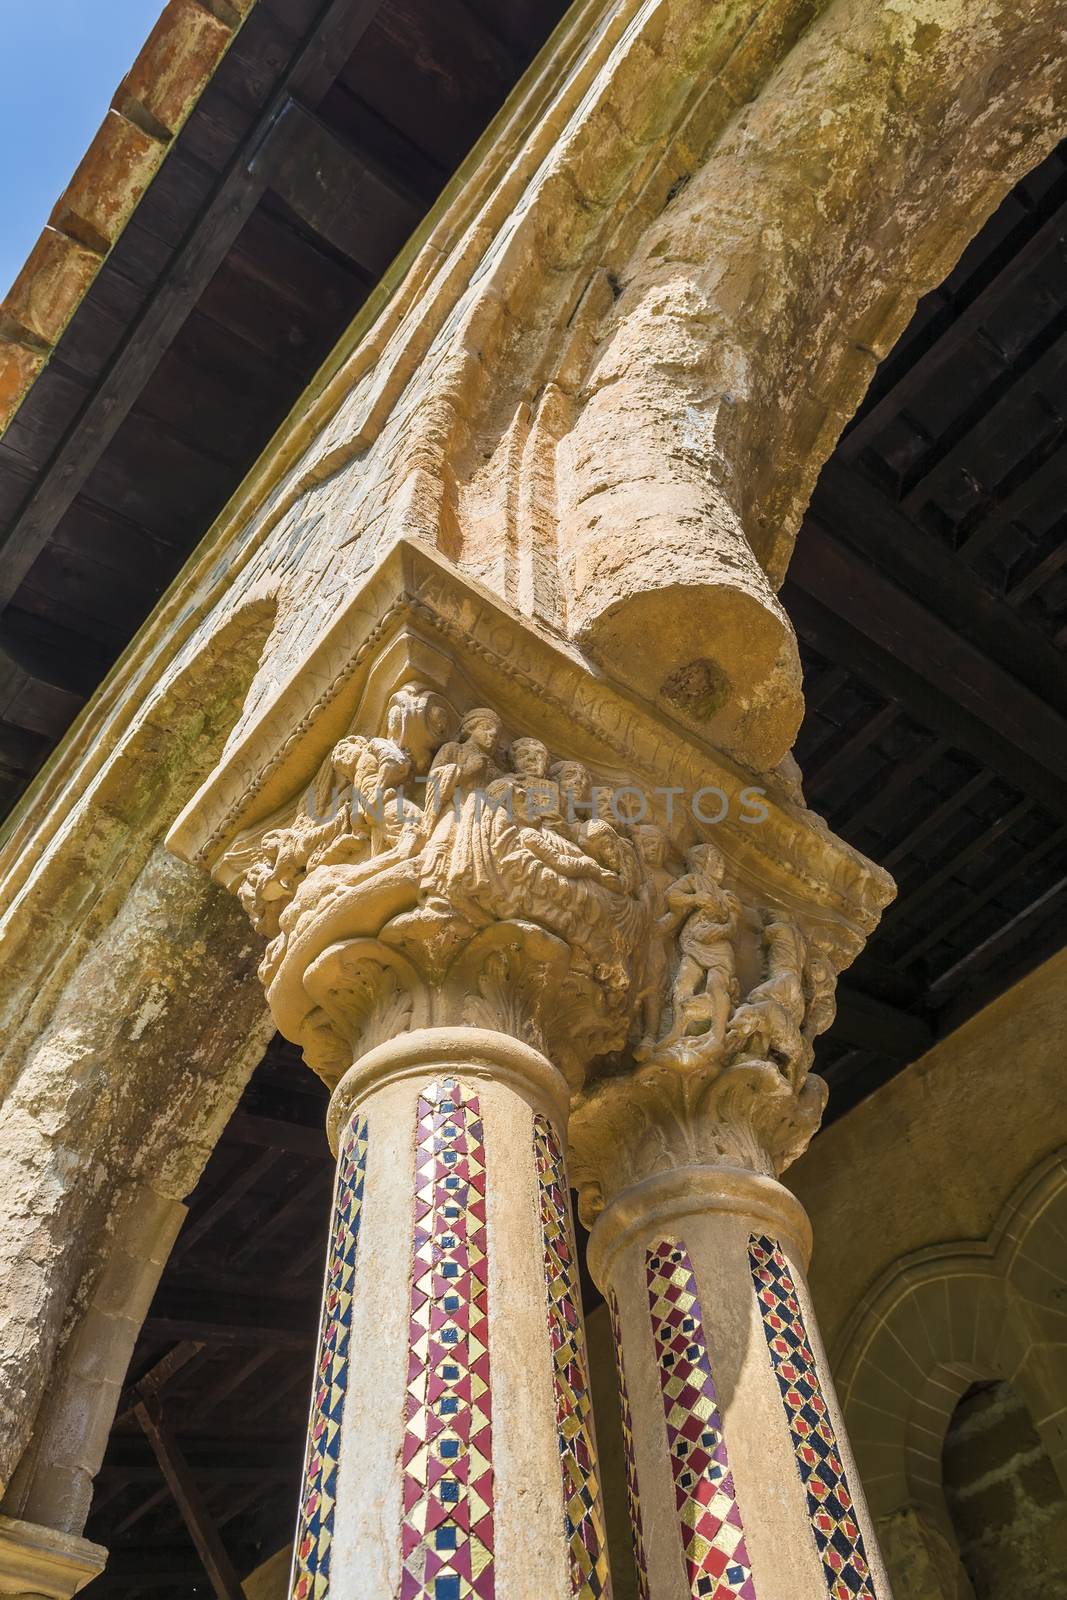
(955, 1275)
(943, 1145)
(1006, 1503)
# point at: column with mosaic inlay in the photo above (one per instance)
(741, 1482)
(450, 947)
(452, 1454)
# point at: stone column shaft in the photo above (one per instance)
(451, 1450)
(741, 1482)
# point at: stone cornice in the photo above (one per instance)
(417, 618)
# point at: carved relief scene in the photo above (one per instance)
(447, 851)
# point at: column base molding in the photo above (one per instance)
(37, 1561)
(664, 1200)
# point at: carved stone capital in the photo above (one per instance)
(41, 1564)
(443, 872)
(448, 819)
(725, 1077)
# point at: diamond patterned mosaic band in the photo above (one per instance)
(632, 1497)
(447, 1536)
(713, 1537)
(582, 1505)
(833, 1518)
(314, 1533)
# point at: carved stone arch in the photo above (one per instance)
(938, 1321)
(935, 1324)
(752, 314)
(133, 1021)
(1033, 1249)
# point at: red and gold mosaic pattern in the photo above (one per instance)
(310, 1578)
(833, 1518)
(632, 1496)
(583, 1508)
(447, 1536)
(713, 1537)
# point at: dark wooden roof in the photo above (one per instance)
(228, 1348)
(929, 591)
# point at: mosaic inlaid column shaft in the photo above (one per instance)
(454, 1392)
(741, 1482)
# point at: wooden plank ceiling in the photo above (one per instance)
(929, 591)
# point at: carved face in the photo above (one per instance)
(706, 861)
(651, 844)
(418, 721)
(482, 727)
(530, 758)
(574, 781)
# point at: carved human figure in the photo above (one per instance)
(768, 1025)
(820, 1001)
(705, 917)
(546, 870)
(651, 844)
(576, 791)
(365, 777)
(354, 808)
(453, 863)
(465, 763)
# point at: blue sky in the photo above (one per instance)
(62, 61)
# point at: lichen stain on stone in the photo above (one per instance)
(698, 689)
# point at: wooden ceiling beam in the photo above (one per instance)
(1051, 236)
(1001, 882)
(341, 197)
(934, 818)
(845, 752)
(277, 1133)
(190, 1502)
(199, 1223)
(851, 612)
(962, 449)
(880, 794)
(219, 1458)
(849, 508)
(929, 883)
(281, 1324)
(1005, 942)
(334, 35)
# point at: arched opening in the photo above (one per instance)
(1005, 1501)
(226, 1354)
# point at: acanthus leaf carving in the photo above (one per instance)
(482, 864)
